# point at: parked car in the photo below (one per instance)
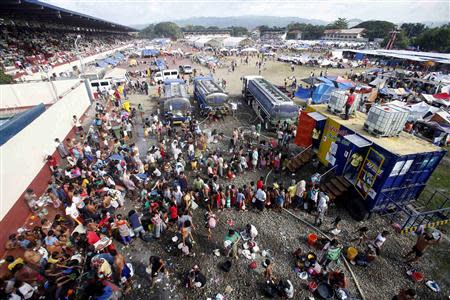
(185, 69)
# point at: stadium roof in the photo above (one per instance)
(37, 11)
(443, 58)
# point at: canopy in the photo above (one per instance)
(101, 63)
(357, 140)
(250, 49)
(150, 52)
(116, 73)
(111, 61)
(303, 93)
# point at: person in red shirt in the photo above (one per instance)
(260, 183)
(173, 213)
(52, 163)
(349, 102)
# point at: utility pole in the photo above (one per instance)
(391, 41)
(79, 54)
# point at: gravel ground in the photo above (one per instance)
(279, 232)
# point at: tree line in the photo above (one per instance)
(409, 35)
(173, 31)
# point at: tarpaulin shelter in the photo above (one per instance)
(359, 56)
(111, 61)
(119, 56)
(303, 93)
(160, 64)
(101, 63)
(149, 52)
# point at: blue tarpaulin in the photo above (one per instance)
(345, 85)
(14, 125)
(322, 93)
(359, 56)
(101, 63)
(150, 52)
(111, 61)
(303, 93)
(160, 64)
(119, 56)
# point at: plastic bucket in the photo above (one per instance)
(311, 239)
(417, 276)
(352, 253)
(312, 286)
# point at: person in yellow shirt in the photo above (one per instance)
(127, 106)
(315, 138)
(290, 193)
(120, 89)
(355, 162)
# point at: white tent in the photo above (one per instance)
(117, 75)
(201, 42)
(249, 49)
(232, 42)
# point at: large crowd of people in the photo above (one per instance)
(28, 50)
(101, 173)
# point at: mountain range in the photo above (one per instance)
(249, 22)
(252, 21)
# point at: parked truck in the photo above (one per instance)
(270, 104)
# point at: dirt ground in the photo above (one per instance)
(279, 232)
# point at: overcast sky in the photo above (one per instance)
(133, 12)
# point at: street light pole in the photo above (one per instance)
(79, 54)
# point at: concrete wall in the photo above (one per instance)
(30, 94)
(22, 157)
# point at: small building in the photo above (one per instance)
(207, 32)
(294, 35)
(350, 35)
(382, 170)
(273, 34)
(255, 34)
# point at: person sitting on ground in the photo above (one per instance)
(286, 288)
(231, 242)
(337, 279)
(379, 241)
(195, 278)
(251, 231)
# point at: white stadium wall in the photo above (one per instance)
(25, 95)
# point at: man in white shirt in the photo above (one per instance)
(260, 199)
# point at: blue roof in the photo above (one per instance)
(14, 125)
(101, 63)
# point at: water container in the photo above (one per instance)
(337, 101)
(386, 120)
